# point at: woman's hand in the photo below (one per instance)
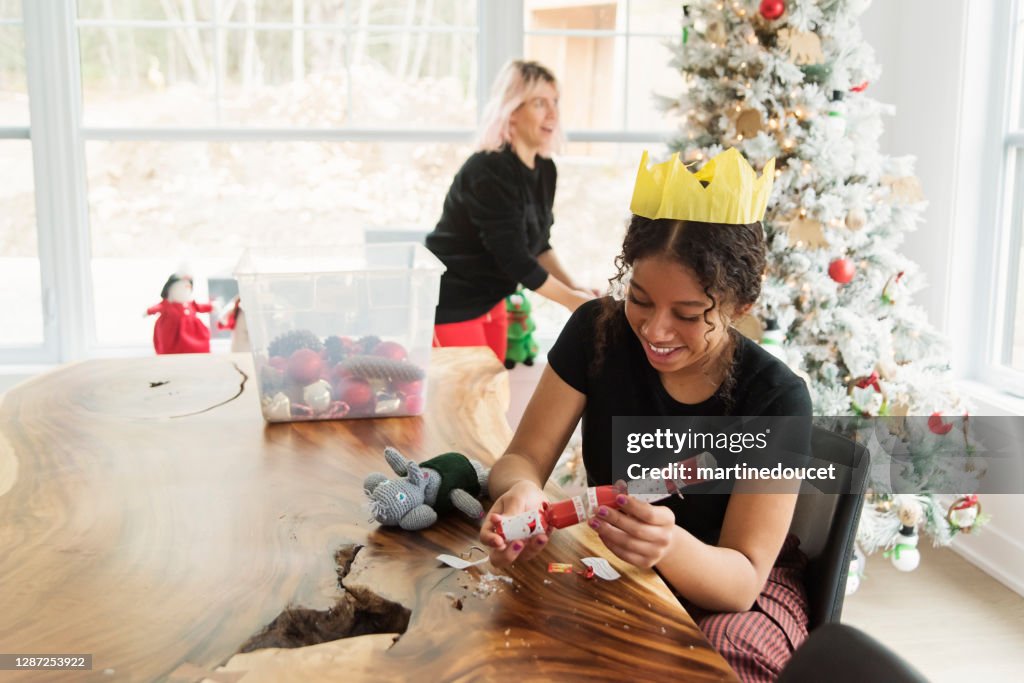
(595, 292)
(578, 297)
(523, 496)
(638, 532)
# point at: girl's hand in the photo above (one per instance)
(524, 496)
(638, 532)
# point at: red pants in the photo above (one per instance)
(490, 329)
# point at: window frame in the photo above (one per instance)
(58, 136)
(984, 259)
(1009, 266)
(622, 30)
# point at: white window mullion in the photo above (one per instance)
(625, 70)
(500, 39)
(54, 88)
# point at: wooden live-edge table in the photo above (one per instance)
(149, 517)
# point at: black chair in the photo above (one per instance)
(838, 653)
(826, 524)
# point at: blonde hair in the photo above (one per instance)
(514, 85)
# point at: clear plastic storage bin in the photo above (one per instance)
(340, 332)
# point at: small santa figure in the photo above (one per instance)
(179, 329)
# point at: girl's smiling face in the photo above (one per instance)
(665, 307)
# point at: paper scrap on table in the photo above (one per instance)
(601, 567)
(559, 568)
(458, 562)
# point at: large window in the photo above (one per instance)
(297, 63)
(155, 205)
(202, 121)
(21, 298)
(613, 61)
(180, 131)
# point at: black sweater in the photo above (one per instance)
(496, 221)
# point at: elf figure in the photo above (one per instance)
(179, 329)
(521, 347)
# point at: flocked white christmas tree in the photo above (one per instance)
(789, 79)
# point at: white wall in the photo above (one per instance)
(922, 47)
(920, 44)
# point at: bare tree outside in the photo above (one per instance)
(403, 64)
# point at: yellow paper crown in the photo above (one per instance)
(734, 194)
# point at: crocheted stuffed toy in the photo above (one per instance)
(521, 346)
(448, 481)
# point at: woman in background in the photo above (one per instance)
(497, 216)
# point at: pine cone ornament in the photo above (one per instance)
(286, 344)
(377, 367)
(368, 343)
(336, 351)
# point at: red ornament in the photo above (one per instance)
(860, 88)
(414, 404)
(304, 366)
(870, 381)
(772, 9)
(841, 270)
(390, 349)
(338, 373)
(412, 388)
(354, 391)
(937, 426)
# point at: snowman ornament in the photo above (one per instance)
(904, 553)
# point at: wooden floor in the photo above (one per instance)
(948, 618)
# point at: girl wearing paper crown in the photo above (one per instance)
(662, 345)
(496, 222)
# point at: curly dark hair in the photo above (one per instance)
(728, 260)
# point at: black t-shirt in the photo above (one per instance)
(495, 222)
(626, 384)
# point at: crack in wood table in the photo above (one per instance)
(149, 517)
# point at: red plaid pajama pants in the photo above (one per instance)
(758, 643)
